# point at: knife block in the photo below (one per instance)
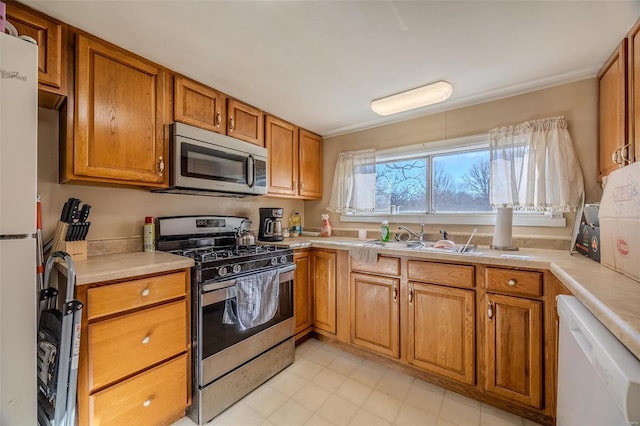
(76, 249)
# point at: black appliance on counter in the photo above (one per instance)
(270, 228)
(229, 358)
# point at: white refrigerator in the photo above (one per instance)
(18, 181)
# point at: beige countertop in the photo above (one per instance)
(613, 298)
(110, 267)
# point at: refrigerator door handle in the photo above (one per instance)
(16, 236)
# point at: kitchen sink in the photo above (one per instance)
(423, 246)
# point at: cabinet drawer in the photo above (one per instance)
(384, 265)
(441, 273)
(124, 345)
(151, 398)
(111, 299)
(526, 283)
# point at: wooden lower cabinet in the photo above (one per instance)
(323, 271)
(441, 333)
(134, 363)
(375, 314)
(514, 349)
(302, 294)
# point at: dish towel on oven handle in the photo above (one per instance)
(256, 300)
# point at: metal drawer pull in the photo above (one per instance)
(218, 119)
(395, 293)
(410, 295)
(512, 282)
(231, 124)
(145, 292)
(147, 403)
(490, 311)
(161, 165)
(146, 340)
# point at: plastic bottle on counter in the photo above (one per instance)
(296, 221)
(384, 231)
(325, 231)
(149, 233)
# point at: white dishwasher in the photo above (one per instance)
(598, 378)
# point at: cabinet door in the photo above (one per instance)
(119, 135)
(323, 271)
(375, 320)
(303, 293)
(310, 160)
(48, 33)
(281, 140)
(441, 331)
(612, 114)
(634, 80)
(513, 348)
(245, 122)
(199, 105)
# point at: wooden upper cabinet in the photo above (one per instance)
(281, 141)
(634, 89)
(295, 160)
(245, 122)
(310, 164)
(441, 334)
(49, 34)
(199, 105)
(513, 349)
(612, 113)
(118, 128)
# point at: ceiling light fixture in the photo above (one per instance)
(414, 98)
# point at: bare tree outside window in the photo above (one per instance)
(459, 183)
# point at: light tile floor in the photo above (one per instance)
(328, 386)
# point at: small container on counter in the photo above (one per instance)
(149, 234)
(325, 231)
(384, 231)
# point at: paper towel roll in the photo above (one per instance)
(503, 229)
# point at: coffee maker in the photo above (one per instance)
(270, 228)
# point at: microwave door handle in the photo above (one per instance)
(251, 170)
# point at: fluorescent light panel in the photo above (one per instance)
(414, 98)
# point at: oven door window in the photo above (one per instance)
(216, 335)
(212, 164)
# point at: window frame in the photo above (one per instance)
(448, 146)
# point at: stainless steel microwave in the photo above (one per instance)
(208, 163)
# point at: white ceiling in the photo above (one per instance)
(319, 64)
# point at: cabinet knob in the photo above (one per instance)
(146, 340)
(161, 165)
(145, 292)
(231, 124)
(146, 403)
(511, 282)
(218, 119)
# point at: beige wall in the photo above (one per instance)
(118, 212)
(577, 102)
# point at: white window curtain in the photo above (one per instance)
(354, 182)
(534, 167)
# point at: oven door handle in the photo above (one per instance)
(284, 276)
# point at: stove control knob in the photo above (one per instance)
(274, 261)
(283, 259)
(222, 271)
(237, 268)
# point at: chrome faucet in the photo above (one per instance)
(419, 236)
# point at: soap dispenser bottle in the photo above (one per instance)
(325, 231)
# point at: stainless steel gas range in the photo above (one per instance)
(242, 308)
